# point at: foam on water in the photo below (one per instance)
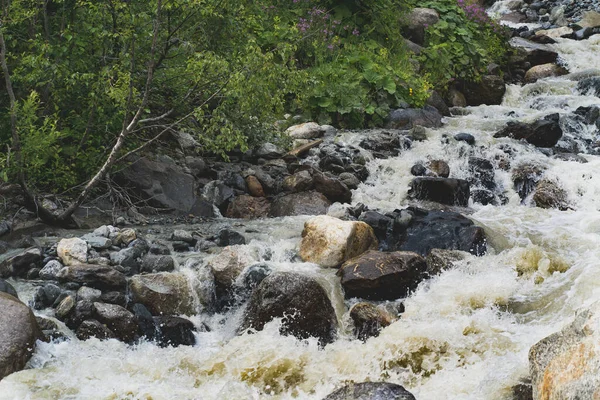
(465, 334)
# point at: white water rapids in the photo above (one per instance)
(465, 334)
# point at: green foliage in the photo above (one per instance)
(237, 66)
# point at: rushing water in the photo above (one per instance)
(465, 334)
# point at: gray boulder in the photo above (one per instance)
(101, 277)
(407, 118)
(490, 90)
(448, 191)
(304, 203)
(116, 318)
(371, 391)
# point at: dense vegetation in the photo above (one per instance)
(225, 70)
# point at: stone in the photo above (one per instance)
(228, 237)
(196, 165)
(456, 98)
(490, 90)
(548, 194)
(305, 203)
(591, 19)
(329, 241)
(128, 258)
(19, 261)
(118, 319)
(125, 236)
(163, 293)
(203, 208)
(332, 188)
(417, 22)
(589, 86)
(45, 296)
(376, 275)
(448, 191)
(439, 168)
(482, 172)
(407, 118)
(254, 186)
(545, 132)
(97, 242)
(5, 227)
(93, 328)
(229, 264)
(72, 251)
(544, 71)
(368, 320)
(377, 221)
(299, 300)
(269, 151)
(349, 180)
(439, 260)
(65, 307)
(248, 207)
(534, 53)
(217, 193)
(101, 277)
(185, 141)
(160, 183)
(436, 101)
(174, 331)
(159, 249)
(371, 391)
(564, 365)
(114, 297)
(19, 332)
(104, 231)
(465, 137)
(299, 182)
(555, 33)
(152, 263)
(88, 294)
(308, 130)
(419, 230)
(7, 288)
(525, 177)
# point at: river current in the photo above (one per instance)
(465, 334)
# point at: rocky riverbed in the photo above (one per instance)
(452, 254)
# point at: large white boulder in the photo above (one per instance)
(329, 241)
(72, 251)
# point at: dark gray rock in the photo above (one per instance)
(159, 249)
(161, 183)
(371, 391)
(113, 297)
(490, 90)
(152, 263)
(300, 299)
(217, 193)
(101, 277)
(305, 203)
(269, 151)
(92, 328)
(118, 319)
(465, 137)
(377, 221)
(368, 320)
(417, 22)
(45, 296)
(7, 288)
(407, 118)
(448, 191)
(375, 275)
(589, 86)
(419, 230)
(332, 187)
(534, 53)
(19, 331)
(17, 262)
(545, 132)
(229, 237)
(174, 331)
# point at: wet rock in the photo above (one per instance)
(125, 237)
(534, 53)
(181, 235)
(418, 170)
(332, 188)
(329, 241)
(101, 277)
(421, 231)
(589, 86)
(152, 263)
(548, 194)
(299, 182)
(522, 391)
(5, 227)
(448, 191)
(161, 183)
(118, 319)
(128, 258)
(181, 247)
(564, 365)
(368, 320)
(439, 260)
(196, 165)
(439, 168)
(570, 157)
(92, 328)
(114, 298)
(465, 137)
(376, 275)
(17, 262)
(65, 307)
(371, 391)
(88, 294)
(174, 331)
(308, 130)
(159, 248)
(269, 151)
(525, 178)
(203, 208)
(229, 264)
(416, 23)
(436, 101)
(248, 207)
(407, 118)
(229, 237)
(490, 90)
(163, 293)
(7, 288)
(97, 242)
(544, 71)
(72, 251)
(19, 331)
(217, 193)
(456, 98)
(305, 203)
(545, 132)
(299, 300)
(591, 19)
(45, 296)
(377, 221)
(254, 186)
